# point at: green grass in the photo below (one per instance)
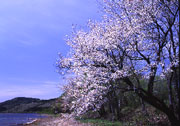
(46, 111)
(133, 118)
(100, 122)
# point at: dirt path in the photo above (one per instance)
(64, 120)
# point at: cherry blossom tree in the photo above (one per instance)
(137, 39)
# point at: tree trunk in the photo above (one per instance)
(173, 120)
(157, 103)
(143, 106)
(102, 111)
(118, 114)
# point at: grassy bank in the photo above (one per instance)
(101, 122)
(136, 117)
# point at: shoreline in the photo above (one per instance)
(35, 120)
(31, 122)
(22, 119)
(61, 120)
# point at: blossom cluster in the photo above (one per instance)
(131, 40)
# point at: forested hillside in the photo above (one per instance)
(27, 105)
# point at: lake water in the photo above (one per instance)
(14, 119)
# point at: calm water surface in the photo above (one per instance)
(14, 119)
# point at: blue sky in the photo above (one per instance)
(32, 32)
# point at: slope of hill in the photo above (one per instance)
(27, 105)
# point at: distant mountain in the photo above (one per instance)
(27, 105)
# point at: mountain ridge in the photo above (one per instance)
(27, 105)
